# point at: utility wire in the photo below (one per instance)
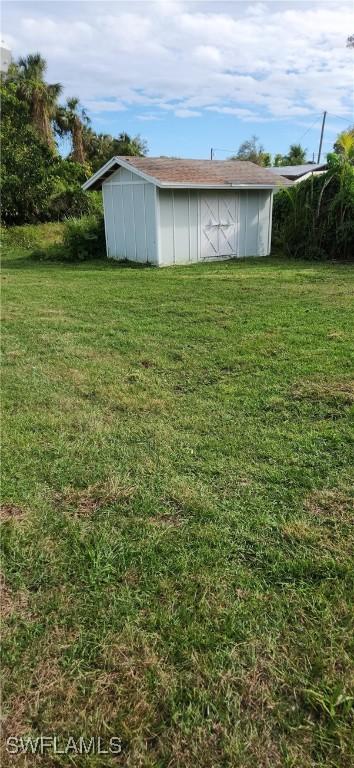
(234, 151)
(346, 119)
(310, 127)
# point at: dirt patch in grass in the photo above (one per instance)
(299, 531)
(331, 393)
(257, 694)
(11, 512)
(331, 503)
(336, 335)
(250, 737)
(202, 747)
(126, 696)
(12, 602)
(27, 713)
(165, 521)
(85, 501)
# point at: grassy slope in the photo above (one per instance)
(176, 453)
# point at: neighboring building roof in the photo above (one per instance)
(295, 171)
(175, 173)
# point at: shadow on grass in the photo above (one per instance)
(56, 256)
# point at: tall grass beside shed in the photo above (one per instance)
(315, 218)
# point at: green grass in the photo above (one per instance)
(177, 447)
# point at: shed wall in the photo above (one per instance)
(165, 226)
(255, 222)
(178, 221)
(179, 217)
(130, 217)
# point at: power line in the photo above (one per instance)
(318, 117)
(346, 119)
(311, 126)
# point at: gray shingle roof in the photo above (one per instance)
(167, 172)
(298, 170)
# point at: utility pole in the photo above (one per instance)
(321, 137)
(211, 154)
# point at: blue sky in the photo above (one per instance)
(189, 76)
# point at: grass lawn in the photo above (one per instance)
(177, 452)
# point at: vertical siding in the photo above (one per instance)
(162, 226)
(130, 218)
(180, 201)
(139, 222)
(194, 225)
(178, 220)
(118, 222)
(265, 199)
(255, 222)
(270, 222)
(251, 244)
(180, 224)
(109, 223)
(166, 255)
(151, 224)
(122, 174)
(128, 214)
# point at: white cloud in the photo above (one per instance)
(149, 117)
(237, 111)
(105, 106)
(187, 113)
(256, 61)
(207, 53)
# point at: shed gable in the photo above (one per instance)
(124, 176)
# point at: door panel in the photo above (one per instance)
(218, 225)
(209, 215)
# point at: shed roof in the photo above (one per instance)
(166, 172)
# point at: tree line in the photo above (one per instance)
(54, 120)
(253, 150)
(38, 184)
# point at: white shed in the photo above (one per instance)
(164, 211)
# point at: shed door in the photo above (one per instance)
(219, 225)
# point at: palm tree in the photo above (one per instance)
(129, 145)
(100, 147)
(72, 119)
(344, 144)
(296, 155)
(41, 97)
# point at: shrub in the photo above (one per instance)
(26, 163)
(73, 202)
(36, 185)
(68, 198)
(84, 238)
(315, 219)
(19, 237)
(52, 252)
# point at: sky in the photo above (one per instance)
(188, 76)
